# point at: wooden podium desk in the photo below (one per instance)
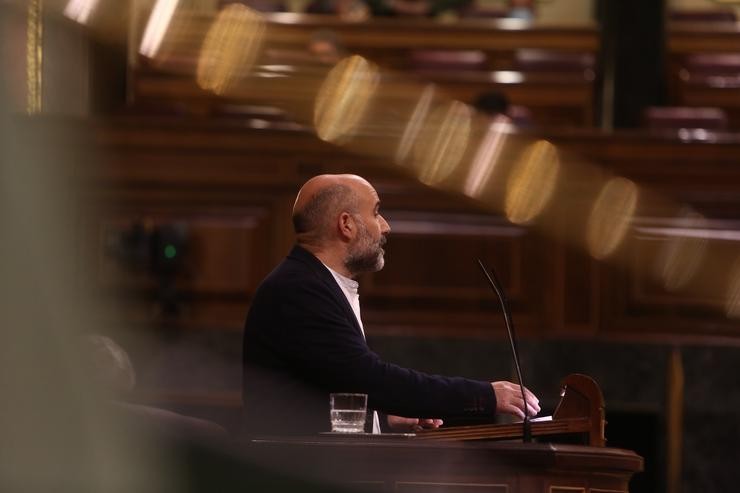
(408, 465)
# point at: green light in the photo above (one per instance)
(170, 251)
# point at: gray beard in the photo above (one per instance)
(365, 261)
(365, 256)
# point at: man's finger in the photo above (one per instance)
(516, 411)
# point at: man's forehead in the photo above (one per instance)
(363, 188)
(371, 195)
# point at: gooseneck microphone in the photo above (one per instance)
(496, 285)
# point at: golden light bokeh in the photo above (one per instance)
(343, 99)
(486, 158)
(532, 182)
(156, 27)
(181, 45)
(80, 10)
(442, 142)
(230, 48)
(682, 254)
(611, 217)
(413, 127)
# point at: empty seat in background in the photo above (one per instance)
(713, 63)
(715, 70)
(536, 60)
(677, 117)
(710, 68)
(475, 11)
(706, 15)
(447, 60)
(709, 80)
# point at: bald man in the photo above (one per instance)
(304, 337)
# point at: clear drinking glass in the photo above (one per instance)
(347, 412)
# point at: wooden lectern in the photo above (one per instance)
(467, 459)
(580, 411)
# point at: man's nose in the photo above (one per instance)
(385, 228)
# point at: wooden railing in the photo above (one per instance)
(696, 89)
(686, 38)
(554, 98)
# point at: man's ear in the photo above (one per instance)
(346, 224)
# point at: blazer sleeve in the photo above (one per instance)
(316, 336)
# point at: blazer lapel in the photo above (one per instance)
(320, 269)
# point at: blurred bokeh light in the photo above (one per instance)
(343, 99)
(230, 48)
(442, 142)
(532, 182)
(611, 217)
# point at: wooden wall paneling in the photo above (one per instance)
(231, 252)
(293, 155)
(686, 38)
(640, 302)
(228, 253)
(581, 285)
(578, 296)
(702, 173)
(431, 277)
(569, 279)
(196, 155)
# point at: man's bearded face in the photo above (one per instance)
(366, 252)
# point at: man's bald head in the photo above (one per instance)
(320, 201)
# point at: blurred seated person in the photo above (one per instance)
(349, 10)
(495, 104)
(416, 8)
(325, 47)
(521, 9)
(358, 10)
(112, 371)
(110, 366)
(260, 5)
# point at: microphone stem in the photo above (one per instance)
(527, 430)
(496, 285)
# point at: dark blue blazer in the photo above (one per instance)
(302, 342)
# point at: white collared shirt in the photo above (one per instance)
(350, 288)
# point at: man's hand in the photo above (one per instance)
(509, 399)
(405, 425)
